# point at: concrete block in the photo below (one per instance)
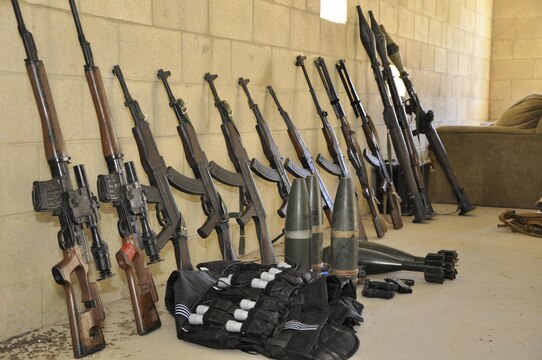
(271, 24)
(104, 39)
(88, 153)
(469, 43)
(484, 7)
(430, 8)
(405, 23)
(186, 15)
(497, 107)
(313, 6)
(435, 32)
(441, 59)
(252, 61)
(433, 84)
(332, 38)
(428, 57)
(284, 73)
(503, 10)
(538, 69)
(421, 28)
(483, 25)
(299, 4)
(468, 19)
(454, 14)
(524, 28)
(13, 60)
(527, 49)
(442, 10)
(304, 31)
(354, 47)
(528, 8)
(522, 88)
(19, 304)
(453, 59)
(221, 61)
(138, 11)
(512, 69)
(482, 67)
(458, 40)
(21, 163)
(196, 57)
(20, 101)
(303, 112)
(50, 3)
(60, 49)
(451, 111)
(500, 90)
(412, 54)
(166, 53)
(240, 10)
(464, 65)
(389, 16)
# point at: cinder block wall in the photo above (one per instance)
(516, 53)
(445, 44)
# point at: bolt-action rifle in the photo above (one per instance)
(401, 114)
(424, 125)
(242, 178)
(304, 157)
(390, 118)
(390, 197)
(73, 207)
(159, 192)
(338, 166)
(353, 147)
(277, 172)
(121, 188)
(203, 185)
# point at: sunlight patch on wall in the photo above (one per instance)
(333, 10)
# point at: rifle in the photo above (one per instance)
(399, 144)
(73, 207)
(277, 172)
(353, 147)
(159, 192)
(375, 158)
(338, 166)
(401, 115)
(304, 157)
(203, 185)
(122, 189)
(424, 125)
(242, 178)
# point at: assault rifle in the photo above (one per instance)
(73, 207)
(242, 178)
(277, 172)
(338, 167)
(424, 125)
(122, 189)
(159, 192)
(375, 158)
(203, 185)
(304, 157)
(401, 115)
(399, 144)
(353, 147)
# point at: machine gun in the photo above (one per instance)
(74, 208)
(277, 172)
(304, 157)
(424, 125)
(122, 189)
(353, 147)
(159, 192)
(203, 185)
(391, 199)
(380, 40)
(390, 118)
(242, 178)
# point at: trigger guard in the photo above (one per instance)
(159, 217)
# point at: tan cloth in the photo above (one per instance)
(524, 114)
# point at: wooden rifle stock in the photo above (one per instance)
(73, 208)
(126, 196)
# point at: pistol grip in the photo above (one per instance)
(283, 207)
(246, 215)
(205, 230)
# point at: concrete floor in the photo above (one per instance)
(493, 310)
